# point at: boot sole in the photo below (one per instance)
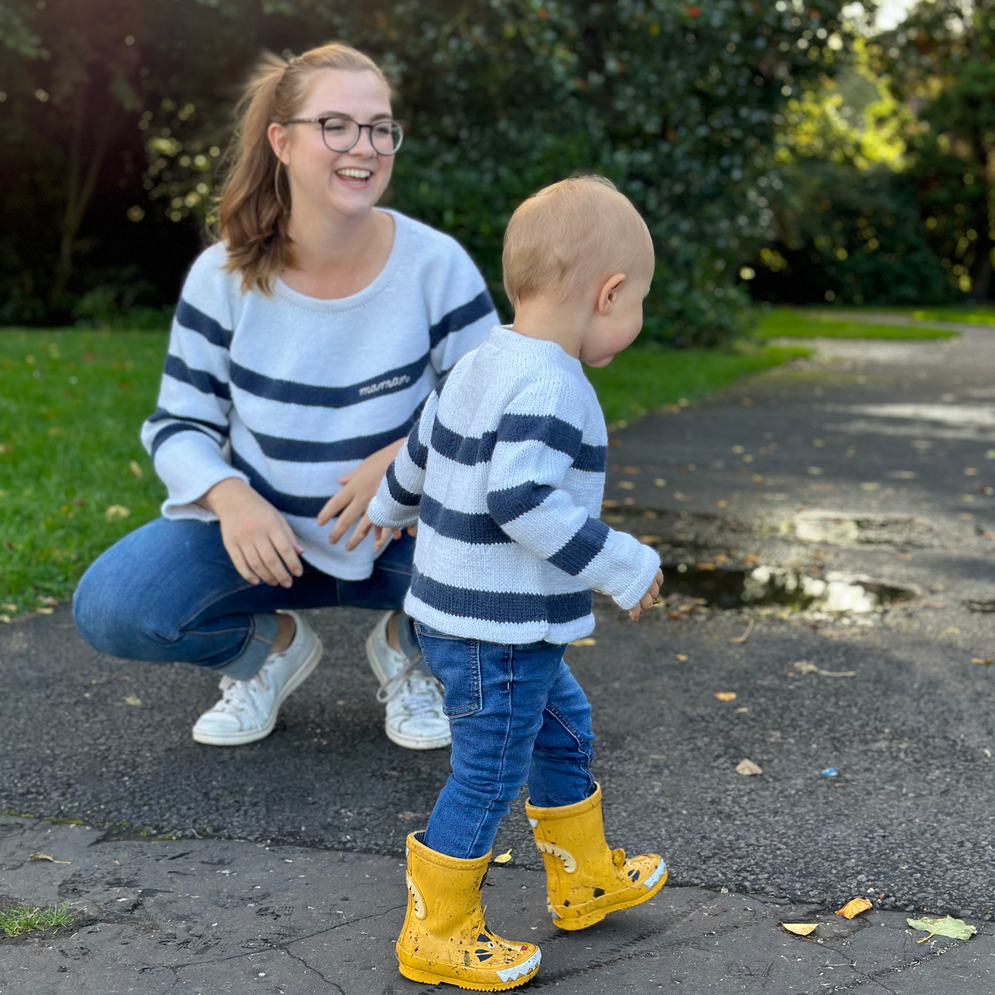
(433, 978)
(240, 739)
(596, 915)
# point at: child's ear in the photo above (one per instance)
(609, 293)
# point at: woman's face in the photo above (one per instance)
(346, 184)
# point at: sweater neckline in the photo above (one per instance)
(379, 283)
(505, 337)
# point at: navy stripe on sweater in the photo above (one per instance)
(551, 431)
(170, 430)
(190, 317)
(203, 381)
(161, 414)
(583, 547)
(460, 317)
(491, 606)
(476, 529)
(400, 494)
(340, 451)
(309, 395)
(289, 504)
(513, 502)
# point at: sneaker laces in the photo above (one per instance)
(420, 695)
(235, 693)
(390, 687)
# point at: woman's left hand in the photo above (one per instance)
(351, 502)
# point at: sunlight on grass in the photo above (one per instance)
(639, 380)
(21, 919)
(70, 412)
(783, 322)
(972, 316)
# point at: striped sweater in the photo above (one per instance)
(504, 474)
(289, 393)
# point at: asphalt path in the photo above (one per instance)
(888, 448)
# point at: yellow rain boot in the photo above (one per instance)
(444, 939)
(584, 879)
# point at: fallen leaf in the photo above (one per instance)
(44, 610)
(130, 699)
(947, 926)
(680, 656)
(746, 635)
(631, 469)
(982, 659)
(725, 695)
(742, 710)
(609, 503)
(5, 619)
(804, 667)
(870, 485)
(815, 471)
(722, 504)
(748, 768)
(659, 481)
(503, 858)
(854, 907)
(117, 511)
(651, 539)
(9, 607)
(134, 468)
(45, 856)
(626, 485)
(48, 600)
(800, 928)
(587, 641)
(970, 471)
(678, 496)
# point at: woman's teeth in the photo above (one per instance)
(355, 174)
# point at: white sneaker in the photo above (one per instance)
(415, 718)
(248, 709)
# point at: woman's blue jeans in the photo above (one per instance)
(168, 592)
(517, 716)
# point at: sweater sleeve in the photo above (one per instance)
(461, 310)
(398, 498)
(532, 455)
(186, 435)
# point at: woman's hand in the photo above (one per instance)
(259, 540)
(351, 502)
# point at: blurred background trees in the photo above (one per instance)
(777, 149)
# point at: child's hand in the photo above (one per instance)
(381, 536)
(647, 600)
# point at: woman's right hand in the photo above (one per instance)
(259, 540)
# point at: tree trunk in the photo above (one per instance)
(79, 189)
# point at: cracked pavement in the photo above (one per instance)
(285, 871)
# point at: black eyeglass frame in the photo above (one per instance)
(359, 130)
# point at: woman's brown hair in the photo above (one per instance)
(254, 206)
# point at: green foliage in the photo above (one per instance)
(941, 57)
(20, 919)
(678, 103)
(783, 322)
(70, 412)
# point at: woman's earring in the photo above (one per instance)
(276, 187)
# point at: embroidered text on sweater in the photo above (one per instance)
(289, 393)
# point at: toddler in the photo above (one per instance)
(504, 476)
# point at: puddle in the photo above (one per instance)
(738, 588)
(842, 529)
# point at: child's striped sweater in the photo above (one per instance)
(504, 474)
(289, 393)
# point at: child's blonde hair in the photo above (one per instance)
(567, 235)
(254, 206)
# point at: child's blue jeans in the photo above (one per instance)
(517, 716)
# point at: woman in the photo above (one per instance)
(304, 344)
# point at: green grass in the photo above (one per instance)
(21, 919)
(785, 322)
(973, 316)
(639, 380)
(72, 404)
(71, 407)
